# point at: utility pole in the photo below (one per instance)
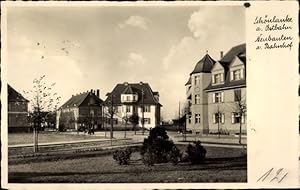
(143, 107)
(111, 119)
(179, 116)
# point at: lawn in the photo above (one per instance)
(44, 137)
(222, 165)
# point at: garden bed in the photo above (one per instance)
(221, 165)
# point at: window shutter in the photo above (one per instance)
(222, 96)
(243, 118)
(231, 75)
(213, 79)
(223, 118)
(214, 118)
(222, 77)
(232, 118)
(214, 97)
(242, 73)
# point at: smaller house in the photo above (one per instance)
(80, 111)
(17, 111)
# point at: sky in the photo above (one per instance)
(83, 48)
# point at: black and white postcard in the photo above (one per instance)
(149, 95)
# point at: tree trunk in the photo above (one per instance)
(240, 135)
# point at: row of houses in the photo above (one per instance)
(216, 94)
(215, 101)
(87, 108)
(125, 100)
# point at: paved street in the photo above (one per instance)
(101, 139)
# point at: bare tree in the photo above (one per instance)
(42, 99)
(241, 109)
(237, 107)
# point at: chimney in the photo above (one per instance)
(141, 83)
(98, 93)
(125, 83)
(221, 55)
(92, 91)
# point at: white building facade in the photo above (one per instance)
(129, 99)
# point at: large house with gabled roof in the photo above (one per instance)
(17, 111)
(128, 99)
(216, 94)
(79, 111)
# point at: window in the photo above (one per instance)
(237, 95)
(237, 118)
(190, 118)
(147, 121)
(218, 78)
(134, 109)
(219, 118)
(197, 99)
(133, 98)
(197, 80)
(218, 97)
(197, 118)
(127, 98)
(147, 108)
(237, 74)
(92, 113)
(128, 109)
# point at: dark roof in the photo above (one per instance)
(239, 52)
(189, 81)
(128, 90)
(136, 89)
(77, 100)
(204, 65)
(14, 96)
(227, 84)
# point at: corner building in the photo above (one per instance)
(216, 94)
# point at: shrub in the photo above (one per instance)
(122, 156)
(175, 155)
(196, 153)
(148, 158)
(158, 148)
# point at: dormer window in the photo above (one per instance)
(129, 97)
(237, 74)
(218, 78)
